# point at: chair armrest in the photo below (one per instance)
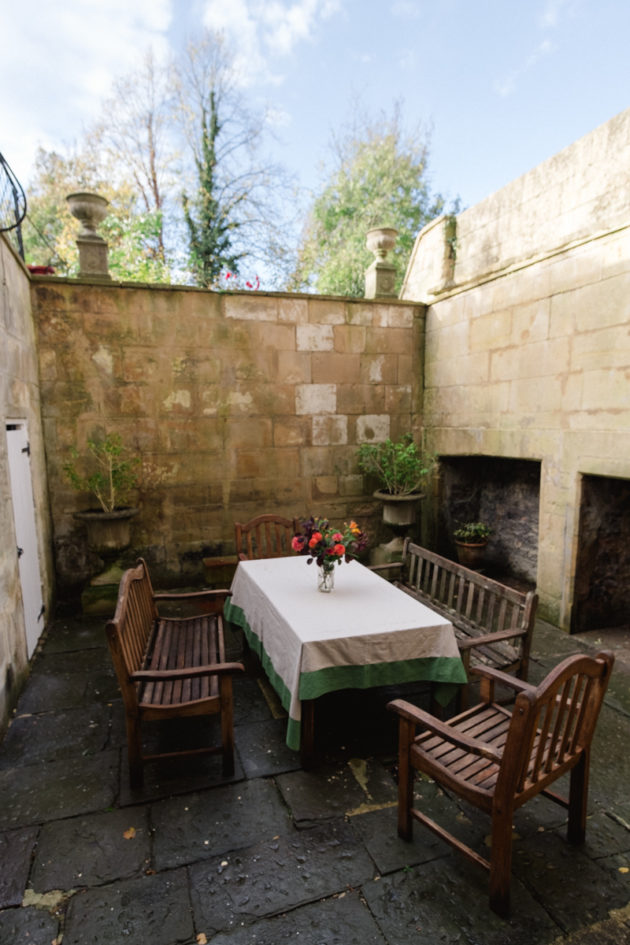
(419, 717)
(186, 672)
(388, 566)
(469, 643)
(192, 595)
(519, 685)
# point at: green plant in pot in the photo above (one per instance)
(471, 539)
(401, 471)
(110, 475)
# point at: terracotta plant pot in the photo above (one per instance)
(469, 554)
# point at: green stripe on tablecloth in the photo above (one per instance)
(444, 671)
(235, 615)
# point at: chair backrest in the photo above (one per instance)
(553, 725)
(266, 536)
(129, 629)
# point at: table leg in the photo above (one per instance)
(307, 740)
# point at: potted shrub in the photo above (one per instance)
(109, 474)
(471, 539)
(401, 471)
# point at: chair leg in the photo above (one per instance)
(406, 732)
(501, 861)
(578, 800)
(227, 725)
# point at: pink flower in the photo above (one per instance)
(298, 542)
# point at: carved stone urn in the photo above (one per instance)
(90, 210)
(380, 276)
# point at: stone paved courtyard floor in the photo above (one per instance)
(278, 854)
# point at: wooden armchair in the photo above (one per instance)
(266, 536)
(497, 759)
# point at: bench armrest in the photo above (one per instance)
(469, 642)
(412, 713)
(186, 672)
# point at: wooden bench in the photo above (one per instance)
(170, 667)
(493, 623)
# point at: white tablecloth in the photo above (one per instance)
(366, 632)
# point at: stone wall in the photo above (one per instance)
(19, 401)
(235, 404)
(528, 335)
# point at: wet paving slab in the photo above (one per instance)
(275, 853)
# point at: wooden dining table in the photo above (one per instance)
(365, 633)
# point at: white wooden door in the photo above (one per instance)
(25, 531)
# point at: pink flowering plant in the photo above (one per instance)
(328, 545)
(233, 282)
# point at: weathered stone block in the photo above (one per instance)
(334, 368)
(372, 428)
(314, 338)
(315, 398)
(330, 431)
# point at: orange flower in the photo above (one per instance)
(316, 537)
(339, 550)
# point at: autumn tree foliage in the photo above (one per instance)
(378, 177)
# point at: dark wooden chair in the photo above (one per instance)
(170, 667)
(498, 758)
(266, 536)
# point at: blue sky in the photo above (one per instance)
(504, 84)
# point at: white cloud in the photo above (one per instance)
(506, 86)
(406, 9)
(554, 11)
(263, 30)
(58, 60)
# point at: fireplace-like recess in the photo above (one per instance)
(505, 494)
(602, 571)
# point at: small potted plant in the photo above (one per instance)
(471, 539)
(109, 474)
(401, 471)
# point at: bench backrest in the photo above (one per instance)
(478, 600)
(129, 630)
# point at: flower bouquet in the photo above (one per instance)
(328, 546)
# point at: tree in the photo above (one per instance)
(232, 215)
(135, 138)
(50, 231)
(378, 178)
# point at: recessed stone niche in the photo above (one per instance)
(602, 574)
(503, 493)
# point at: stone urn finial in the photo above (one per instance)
(380, 277)
(90, 210)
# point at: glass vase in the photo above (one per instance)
(325, 578)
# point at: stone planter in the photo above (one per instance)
(89, 210)
(107, 531)
(399, 513)
(399, 510)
